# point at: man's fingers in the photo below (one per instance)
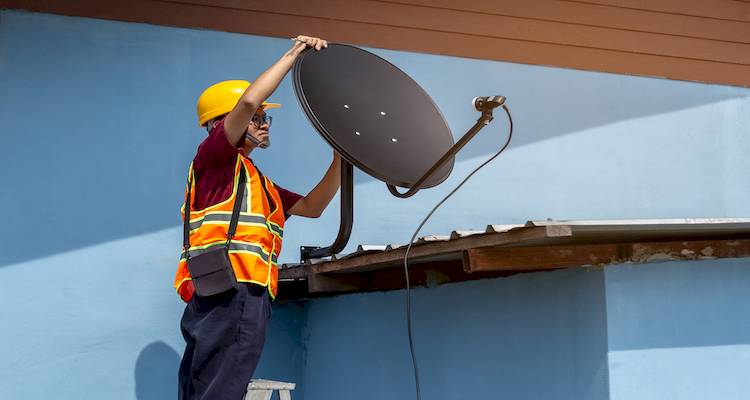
(315, 43)
(312, 42)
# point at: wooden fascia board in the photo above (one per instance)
(562, 256)
(391, 257)
(499, 261)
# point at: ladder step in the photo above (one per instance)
(272, 385)
(262, 389)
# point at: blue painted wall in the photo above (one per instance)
(679, 330)
(540, 336)
(99, 128)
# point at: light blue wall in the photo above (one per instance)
(679, 330)
(99, 128)
(102, 322)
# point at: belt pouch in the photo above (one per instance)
(212, 272)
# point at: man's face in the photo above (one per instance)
(257, 130)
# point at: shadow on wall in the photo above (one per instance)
(530, 336)
(546, 102)
(118, 143)
(706, 302)
(156, 372)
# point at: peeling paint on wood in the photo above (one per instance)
(562, 256)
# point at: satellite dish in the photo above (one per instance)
(379, 120)
(373, 114)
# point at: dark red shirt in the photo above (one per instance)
(214, 171)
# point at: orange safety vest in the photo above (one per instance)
(256, 244)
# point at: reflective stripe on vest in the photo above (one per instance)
(226, 217)
(256, 245)
(234, 247)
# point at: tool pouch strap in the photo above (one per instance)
(211, 271)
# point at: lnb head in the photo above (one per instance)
(487, 102)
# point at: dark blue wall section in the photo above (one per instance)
(540, 336)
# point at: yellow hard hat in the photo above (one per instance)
(220, 98)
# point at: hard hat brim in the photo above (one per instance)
(221, 111)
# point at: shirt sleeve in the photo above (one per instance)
(216, 150)
(288, 199)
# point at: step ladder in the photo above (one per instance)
(261, 389)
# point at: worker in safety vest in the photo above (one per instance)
(225, 332)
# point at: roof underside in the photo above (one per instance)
(501, 250)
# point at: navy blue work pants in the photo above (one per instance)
(224, 337)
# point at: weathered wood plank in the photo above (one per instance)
(497, 261)
(552, 257)
(437, 248)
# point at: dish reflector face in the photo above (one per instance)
(373, 114)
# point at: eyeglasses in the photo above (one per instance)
(258, 120)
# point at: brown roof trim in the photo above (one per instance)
(705, 44)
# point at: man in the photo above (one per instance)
(225, 332)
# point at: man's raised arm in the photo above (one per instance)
(237, 120)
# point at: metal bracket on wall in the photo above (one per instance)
(347, 218)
